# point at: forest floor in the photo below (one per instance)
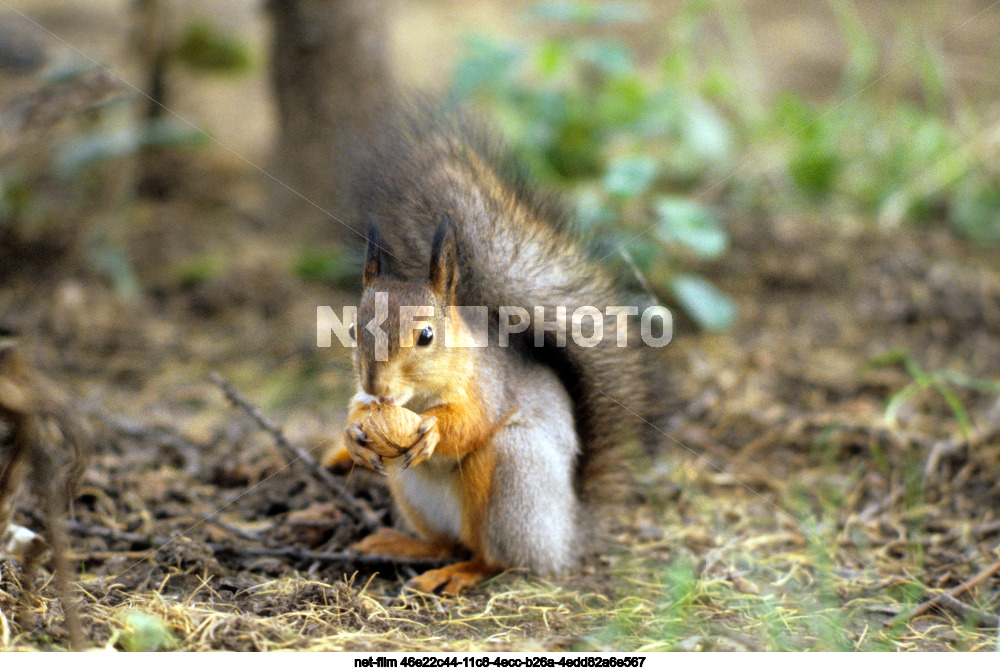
(787, 511)
(818, 480)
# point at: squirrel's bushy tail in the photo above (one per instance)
(515, 248)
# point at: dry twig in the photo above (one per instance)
(966, 611)
(288, 552)
(357, 508)
(947, 598)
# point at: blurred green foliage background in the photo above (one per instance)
(652, 157)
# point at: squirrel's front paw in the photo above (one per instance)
(369, 449)
(423, 448)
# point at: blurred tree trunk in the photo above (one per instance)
(150, 46)
(330, 74)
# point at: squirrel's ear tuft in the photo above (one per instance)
(373, 256)
(444, 263)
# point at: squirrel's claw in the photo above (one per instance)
(366, 443)
(376, 464)
(424, 447)
(357, 434)
(359, 446)
(426, 424)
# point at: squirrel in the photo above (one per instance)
(517, 450)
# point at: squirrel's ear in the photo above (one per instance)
(373, 256)
(444, 263)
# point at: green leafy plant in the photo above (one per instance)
(637, 148)
(625, 146)
(203, 47)
(144, 632)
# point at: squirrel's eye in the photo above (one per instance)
(426, 336)
(350, 332)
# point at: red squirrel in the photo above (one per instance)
(517, 446)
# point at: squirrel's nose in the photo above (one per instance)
(375, 384)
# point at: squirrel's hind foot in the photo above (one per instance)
(388, 542)
(455, 579)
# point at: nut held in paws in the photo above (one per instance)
(393, 423)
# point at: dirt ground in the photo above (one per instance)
(783, 480)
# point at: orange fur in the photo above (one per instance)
(456, 578)
(336, 455)
(465, 434)
(357, 411)
(463, 428)
(388, 542)
(477, 485)
(462, 421)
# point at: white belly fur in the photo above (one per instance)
(432, 490)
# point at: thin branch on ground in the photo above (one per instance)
(948, 596)
(288, 552)
(232, 528)
(966, 611)
(357, 508)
